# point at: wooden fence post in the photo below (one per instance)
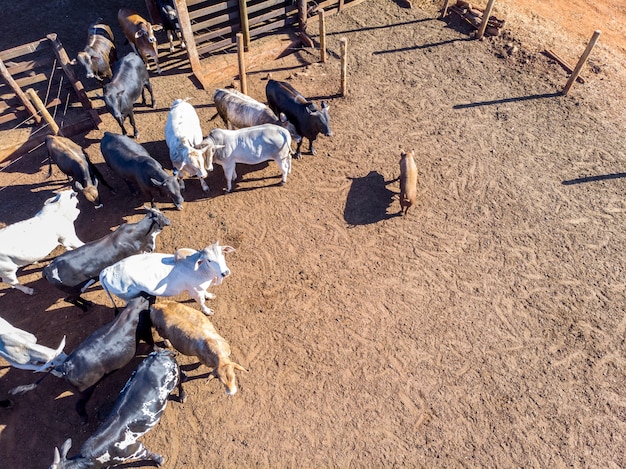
(322, 21)
(18, 91)
(444, 9)
(185, 26)
(486, 15)
(344, 65)
(44, 112)
(242, 64)
(245, 28)
(581, 61)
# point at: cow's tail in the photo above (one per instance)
(97, 174)
(49, 161)
(23, 389)
(214, 116)
(104, 285)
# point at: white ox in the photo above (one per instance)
(252, 145)
(159, 274)
(183, 136)
(240, 110)
(21, 350)
(29, 241)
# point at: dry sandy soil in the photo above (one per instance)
(484, 329)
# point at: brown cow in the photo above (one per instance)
(408, 181)
(140, 35)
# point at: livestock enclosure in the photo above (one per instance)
(483, 329)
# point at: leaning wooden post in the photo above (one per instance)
(242, 63)
(344, 65)
(320, 15)
(486, 15)
(18, 91)
(42, 109)
(245, 28)
(302, 20)
(444, 10)
(581, 61)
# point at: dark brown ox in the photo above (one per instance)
(140, 35)
(100, 53)
(74, 163)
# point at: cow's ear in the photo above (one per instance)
(78, 186)
(66, 448)
(139, 33)
(227, 249)
(282, 117)
(157, 183)
(325, 106)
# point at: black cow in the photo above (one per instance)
(107, 349)
(130, 80)
(75, 164)
(169, 16)
(138, 408)
(141, 172)
(99, 54)
(74, 271)
(302, 113)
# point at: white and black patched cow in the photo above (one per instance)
(251, 145)
(159, 274)
(29, 241)
(138, 408)
(74, 271)
(100, 53)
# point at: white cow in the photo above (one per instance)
(240, 110)
(29, 241)
(21, 350)
(252, 145)
(168, 274)
(183, 136)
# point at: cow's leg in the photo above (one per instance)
(81, 404)
(285, 168)
(311, 149)
(148, 86)
(131, 117)
(120, 121)
(70, 241)
(200, 296)
(298, 149)
(135, 451)
(230, 174)
(170, 37)
(205, 186)
(82, 303)
(9, 276)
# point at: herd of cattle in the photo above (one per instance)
(124, 261)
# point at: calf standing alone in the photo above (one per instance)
(140, 35)
(192, 334)
(408, 181)
(99, 54)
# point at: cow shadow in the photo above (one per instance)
(369, 200)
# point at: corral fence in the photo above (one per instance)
(210, 27)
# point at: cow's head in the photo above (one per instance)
(64, 204)
(193, 157)
(90, 192)
(60, 458)
(321, 118)
(226, 374)
(212, 262)
(170, 187)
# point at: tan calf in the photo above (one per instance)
(408, 181)
(192, 334)
(140, 35)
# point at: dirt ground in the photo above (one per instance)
(484, 329)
